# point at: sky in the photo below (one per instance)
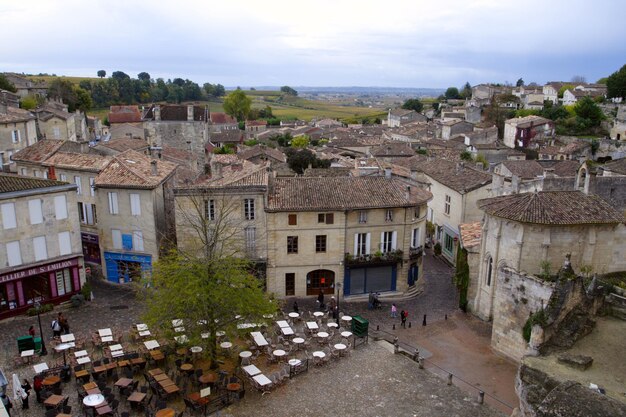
(393, 43)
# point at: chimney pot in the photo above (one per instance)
(153, 166)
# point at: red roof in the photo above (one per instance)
(124, 114)
(222, 118)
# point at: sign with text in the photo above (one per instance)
(38, 270)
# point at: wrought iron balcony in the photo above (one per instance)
(415, 253)
(377, 258)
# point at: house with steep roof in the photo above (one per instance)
(392, 150)
(115, 146)
(254, 127)
(524, 132)
(127, 114)
(344, 234)
(8, 100)
(18, 130)
(55, 122)
(618, 130)
(26, 86)
(398, 117)
(259, 154)
(40, 252)
(136, 221)
(525, 237)
(455, 187)
(454, 127)
(221, 121)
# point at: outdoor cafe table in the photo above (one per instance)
(53, 400)
(151, 344)
(144, 333)
(252, 370)
(332, 324)
(318, 314)
(90, 385)
(165, 412)
(262, 379)
(220, 333)
(68, 338)
(177, 323)
(294, 362)
(115, 347)
(155, 371)
(181, 339)
(160, 377)
(209, 378)
(279, 353)
(195, 349)
(287, 331)
(51, 380)
(282, 323)
(323, 335)
(170, 389)
(107, 338)
(28, 353)
(346, 318)
(245, 354)
(340, 346)
(346, 333)
(105, 332)
(83, 360)
(298, 340)
(103, 409)
(259, 339)
(141, 327)
(80, 353)
(136, 397)
(319, 354)
(226, 345)
(123, 382)
(40, 367)
(311, 325)
(294, 315)
(93, 400)
(62, 347)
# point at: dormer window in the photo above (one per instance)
(389, 215)
(362, 216)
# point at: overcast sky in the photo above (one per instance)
(391, 43)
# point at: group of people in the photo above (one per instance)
(403, 315)
(60, 325)
(373, 301)
(332, 305)
(25, 392)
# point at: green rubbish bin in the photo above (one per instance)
(37, 344)
(359, 326)
(25, 343)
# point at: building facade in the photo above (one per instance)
(40, 251)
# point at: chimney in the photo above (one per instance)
(84, 147)
(153, 166)
(515, 184)
(190, 113)
(387, 172)
(157, 113)
(407, 193)
(548, 172)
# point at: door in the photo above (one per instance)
(320, 280)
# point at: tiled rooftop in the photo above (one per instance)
(38, 152)
(131, 169)
(341, 193)
(618, 166)
(124, 144)
(455, 175)
(552, 208)
(471, 234)
(12, 183)
(526, 169)
(70, 160)
(124, 114)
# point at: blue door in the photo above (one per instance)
(413, 274)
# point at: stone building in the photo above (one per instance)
(532, 232)
(454, 127)
(363, 233)
(399, 117)
(55, 122)
(40, 253)
(27, 87)
(17, 131)
(137, 220)
(524, 132)
(254, 127)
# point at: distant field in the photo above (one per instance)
(74, 80)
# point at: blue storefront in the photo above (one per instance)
(362, 280)
(126, 267)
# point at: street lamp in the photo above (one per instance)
(338, 293)
(43, 351)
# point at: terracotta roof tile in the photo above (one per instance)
(259, 150)
(124, 114)
(455, 176)
(393, 149)
(618, 166)
(12, 183)
(38, 152)
(124, 144)
(131, 169)
(341, 193)
(526, 169)
(15, 115)
(471, 234)
(80, 161)
(552, 208)
(236, 174)
(221, 119)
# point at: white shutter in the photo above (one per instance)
(138, 240)
(381, 245)
(92, 190)
(135, 205)
(356, 244)
(78, 183)
(34, 210)
(367, 243)
(63, 177)
(394, 238)
(89, 211)
(8, 215)
(65, 243)
(60, 207)
(39, 246)
(13, 253)
(117, 238)
(113, 203)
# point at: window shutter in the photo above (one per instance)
(138, 240)
(113, 203)
(116, 235)
(382, 241)
(135, 205)
(8, 216)
(394, 238)
(34, 210)
(14, 255)
(92, 189)
(356, 244)
(65, 244)
(330, 218)
(367, 243)
(39, 246)
(60, 207)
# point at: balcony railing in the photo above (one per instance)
(377, 258)
(416, 252)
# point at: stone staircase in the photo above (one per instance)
(616, 305)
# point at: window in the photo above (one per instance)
(389, 215)
(250, 236)
(78, 183)
(113, 209)
(416, 212)
(135, 205)
(45, 174)
(64, 281)
(87, 213)
(23, 171)
(8, 215)
(93, 212)
(448, 243)
(15, 136)
(446, 208)
(489, 270)
(138, 240)
(65, 244)
(36, 173)
(14, 256)
(35, 211)
(63, 177)
(56, 132)
(60, 207)
(388, 241)
(415, 238)
(361, 244)
(92, 186)
(39, 247)
(320, 243)
(362, 216)
(290, 283)
(209, 210)
(249, 208)
(293, 220)
(292, 244)
(116, 235)
(127, 241)
(328, 218)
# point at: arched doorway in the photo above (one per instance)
(320, 279)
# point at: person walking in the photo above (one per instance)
(296, 309)
(320, 300)
(65, 326)
(403, 316)
(370, 302)
(394, 311)
(7, 403)
(26, 387)
(56, 328)
(31, 331)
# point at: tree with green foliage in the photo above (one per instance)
(616, 84)
(466, 91)
(452, 93)
(206, 281)
(288, 90)
(102, 73)
(563, 88)
(519, 82)
(589, 112)
(299, 160)
(143, 76)
(237, 105)
(7, 85)
(553, 112)
(466, 156)
(227, 149)
(119, 75)
(300, 142)
(413, 104)
(28, 103)
(62, 89)
(461, 277)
